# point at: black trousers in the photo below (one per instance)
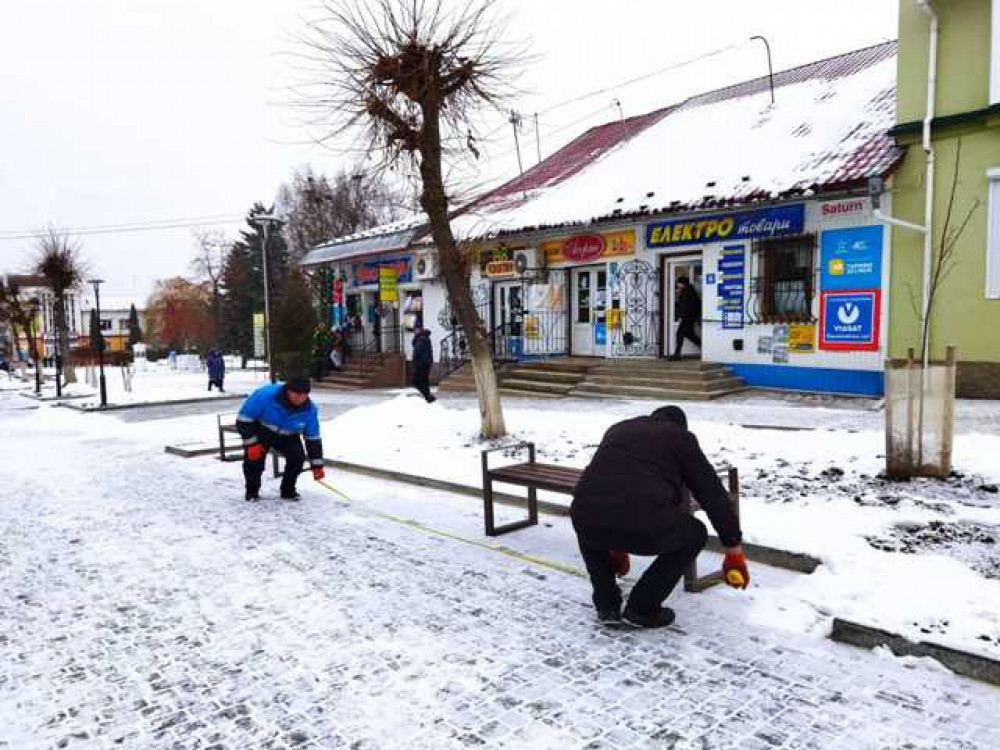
(674, 548)
(422, 380)
(289, 446)
(217, 382)
(685, 331)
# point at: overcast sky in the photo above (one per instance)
(126, 112)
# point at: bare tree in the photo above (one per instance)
(18, 311)
(208, 264)
(59, 261)
(412, 75)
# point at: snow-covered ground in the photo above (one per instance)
(144, 604)
(919, 558)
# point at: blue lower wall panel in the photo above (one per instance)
(856, 382)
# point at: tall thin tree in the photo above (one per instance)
(412, 75)
(59, 260)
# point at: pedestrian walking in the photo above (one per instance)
(277, 417)
(423, 360)
(216, 367)
(631, 499)
(687, 310)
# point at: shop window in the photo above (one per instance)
(993, 236)
(105, 324)
(783, 288)
(413, 310)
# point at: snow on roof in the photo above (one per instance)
(395, 235)
(826, 131)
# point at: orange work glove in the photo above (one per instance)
(620, 562)
(734, 566)
(256, 452)
(318, 473)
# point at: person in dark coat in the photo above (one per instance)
(631, 499)
(423, 360)
(687, 310)
(278, 416)
(216, 366)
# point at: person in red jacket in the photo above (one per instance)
(630, 499)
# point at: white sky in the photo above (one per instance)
(137, 111)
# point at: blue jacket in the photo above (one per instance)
(216, 366)
(267, 415)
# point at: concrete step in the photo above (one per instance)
(680, 369)
(540, 374)
(585, 390)
(528, 394)
(556, 365)
(722, 379)
(558, 389)
(328, 385)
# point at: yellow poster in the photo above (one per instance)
(802, 338)
(387, 284)
(583, 248)
(532, 330)
(615, 317)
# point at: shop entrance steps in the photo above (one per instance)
(547, 378)
(658, 379)
(380, 371)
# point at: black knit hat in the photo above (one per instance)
(671, 414)
(299, 385)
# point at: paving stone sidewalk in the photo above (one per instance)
(151, 608)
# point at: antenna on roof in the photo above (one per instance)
(538, 140)
(618, 103)
(515, 120)
(770, 70)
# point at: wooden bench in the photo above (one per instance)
(538, 476)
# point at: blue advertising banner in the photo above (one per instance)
(732, 271)
(849, 321)
(851, 258)
(743, 225)
(367, 273)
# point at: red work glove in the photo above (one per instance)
(256, 452)
(318, 473)
(734, 566)
(620, 562)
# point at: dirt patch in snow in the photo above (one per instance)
(974, 544)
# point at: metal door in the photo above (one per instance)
(589, 294)
(673, 268)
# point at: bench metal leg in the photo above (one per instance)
(692, 581)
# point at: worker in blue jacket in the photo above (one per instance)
(274, 417)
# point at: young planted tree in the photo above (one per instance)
(134, 329)
(97, 344)
(412, 75)
(59, 262)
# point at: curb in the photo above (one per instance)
(148, 404)
(964, 663)
(794, 561)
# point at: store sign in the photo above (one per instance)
(765, 222)
(366, 274)
(585, 248)
(387, 289)
(732, 271)
(849, 321)
(500, 268)
(851, 258)
(843, 208)
(258, 335)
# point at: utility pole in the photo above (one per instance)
(538, 140)
(515, 121)
(100, 339)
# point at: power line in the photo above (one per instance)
(146, 226)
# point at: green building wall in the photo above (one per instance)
(961, 316)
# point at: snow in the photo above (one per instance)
(730, 149)
(787, 502)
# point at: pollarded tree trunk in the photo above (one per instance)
(62, 331)
(456, 273)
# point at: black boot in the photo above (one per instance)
(660, 619)
(252, 495)
(292, 496)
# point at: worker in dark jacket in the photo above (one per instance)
(687, 311)
(277, 417)
(423, 360)
(631, 499)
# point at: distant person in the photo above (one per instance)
(337, 350)
(630, 499)
(216, 367)
(687, 310)
(278, 416)
(423, 360)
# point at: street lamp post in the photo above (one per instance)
(265, 222)
(100, 340)
(36, 307)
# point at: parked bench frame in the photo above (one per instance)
(536, 476)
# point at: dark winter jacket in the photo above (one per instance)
(216, 366)
(268, 413)
(688, 305)
(423, 351)
(635, 481)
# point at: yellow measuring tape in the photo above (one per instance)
(523, 556)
